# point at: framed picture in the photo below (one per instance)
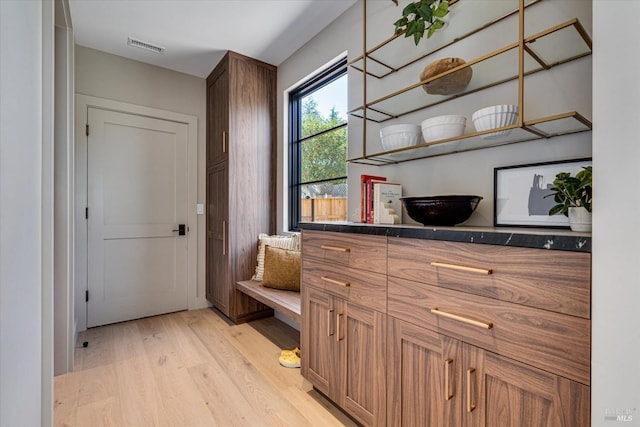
(519, 193)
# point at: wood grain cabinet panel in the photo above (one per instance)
(505, 393)
(555, 342)
(558, 281)
(435, 380)
(344, 353)
(361, 252)
(424, 378)
(356, 286)
(241, 96)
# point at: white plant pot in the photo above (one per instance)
(580, 219)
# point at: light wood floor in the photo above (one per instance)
(188, 369)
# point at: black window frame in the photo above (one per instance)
(327, 76)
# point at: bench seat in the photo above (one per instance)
(285, 302)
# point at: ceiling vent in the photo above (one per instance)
(144, 45)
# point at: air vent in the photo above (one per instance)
(144, 45)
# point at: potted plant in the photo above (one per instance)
(573, 198)
(421, 16)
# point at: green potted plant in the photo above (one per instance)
(573, 198)
(421, 16)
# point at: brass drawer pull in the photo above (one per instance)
(336, 282)
(462, 268)
(484, 325)
(470, 405)
(335, 248)
(224, 237)
(224, 141)
(329, 333)
(338, 329)
(448, 364)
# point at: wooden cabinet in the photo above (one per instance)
(241, 101)
(475, 335)
(343, 334)
(434, 379)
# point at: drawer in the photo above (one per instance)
(359, 251)
(355, 286)
(555, 342)
(558, 281)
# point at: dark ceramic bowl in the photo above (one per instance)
(440, 210)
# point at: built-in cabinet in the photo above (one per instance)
(457, 334)
(521, 56)
(436, 380)
(241, 100)
(343, 335)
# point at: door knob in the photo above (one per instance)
(182, 230)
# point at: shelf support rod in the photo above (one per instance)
(364, 79)
(521, 65)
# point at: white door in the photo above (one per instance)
(137, 197)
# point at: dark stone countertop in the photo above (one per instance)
(537, 238)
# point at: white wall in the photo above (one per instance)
(26, 217)
(565, 88)
(616, 228)
(116, 78)
(64, 339)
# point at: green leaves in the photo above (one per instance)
(569, 191)
(422, 16)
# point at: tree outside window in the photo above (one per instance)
(318, 184)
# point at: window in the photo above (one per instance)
(318, 150)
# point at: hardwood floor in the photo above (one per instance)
(189, 369)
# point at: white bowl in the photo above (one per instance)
(442, 127)
(494, 117)
(399, 136)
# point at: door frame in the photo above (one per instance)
(195, 299)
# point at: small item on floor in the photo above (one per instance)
(290, 358)
(85, 344)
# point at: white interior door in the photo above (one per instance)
(137, 197)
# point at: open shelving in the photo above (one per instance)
(514, 62)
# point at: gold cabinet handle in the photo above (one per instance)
(462, 268)
(224, 141)
(470, 405)
(336, 282)
(224, 237)
(335, 248)
(338, 329)
(484, 325)
(448, 364)
(329, 316)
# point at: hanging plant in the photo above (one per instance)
(420, 17)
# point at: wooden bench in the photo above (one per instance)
(286, 302)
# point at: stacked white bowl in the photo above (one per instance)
(494, 117)
(442, 127)
(399, 136)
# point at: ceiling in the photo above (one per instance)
(196, 33)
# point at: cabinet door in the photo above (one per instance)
(500, 392)
(218, 286)
(362, 338)
(218, 117)
(424, 384)
(317, 339)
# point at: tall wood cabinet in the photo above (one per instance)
(241, 102)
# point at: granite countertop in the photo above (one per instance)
(538, 238)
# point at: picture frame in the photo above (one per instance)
(519, 193)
